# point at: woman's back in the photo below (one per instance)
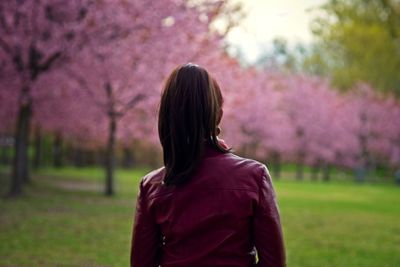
(206, 206)
(217, 219)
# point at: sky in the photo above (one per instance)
(268, 19)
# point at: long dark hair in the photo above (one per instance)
(190, 111)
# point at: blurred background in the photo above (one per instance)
(311, 89)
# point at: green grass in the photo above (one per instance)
(64, 220)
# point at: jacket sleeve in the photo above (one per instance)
(145, 244)
(267, 231)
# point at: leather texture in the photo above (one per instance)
(224, 216)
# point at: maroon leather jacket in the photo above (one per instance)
(224, 216)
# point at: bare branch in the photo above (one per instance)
(133, 102)
(50, 61)
(17, 60)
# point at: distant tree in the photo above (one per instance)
(358, 40)
(283, 56)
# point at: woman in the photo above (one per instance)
(206, 206)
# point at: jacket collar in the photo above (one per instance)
(210, 151)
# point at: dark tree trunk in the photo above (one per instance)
(91, 158)
(300, 166)
(67, 154)
(77, 157)
(57, 151)
(5, 157)
(127, 161)
(276, 164)
(99, 157)
(110, 149)
(300, 154)
(362, 170)
(299, 171)
(110, 155)
(326, 172)
(20, 172)
(87, 156)
(85, 161)
(315, 171)
(38, 156)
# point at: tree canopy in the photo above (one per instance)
(358, 40)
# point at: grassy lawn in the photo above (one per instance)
(64, 220)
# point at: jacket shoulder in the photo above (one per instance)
(250, 165)
(152, 180)
(153, 176)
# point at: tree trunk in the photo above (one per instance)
(37, 158)
(99, 157)
(127, 161)
(85, 161)
(276, 158)
(91, 157)
(20, 172)
(67, 154)
(57, 151)
(77, 157)
(110, 155)
(299, 171)
(5, 159)
(362, 170)
(300, 167)
(326, 172)
(315, 171)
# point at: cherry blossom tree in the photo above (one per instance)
(305, 120)
(126, 77)
(36, 37)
